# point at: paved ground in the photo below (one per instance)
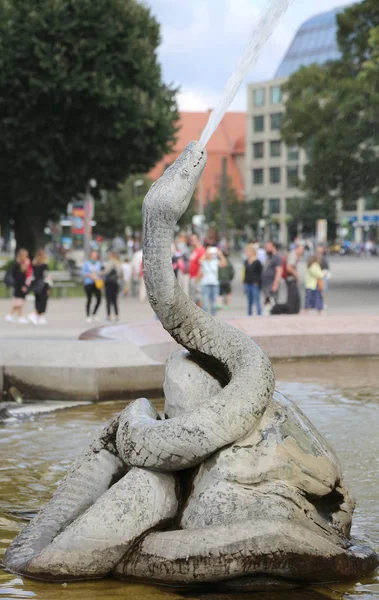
(354, 289)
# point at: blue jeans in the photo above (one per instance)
(253, 293)
(210, 293)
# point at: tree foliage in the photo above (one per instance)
(121, 208)
(333, 111)
(238, 212)
(81, 96)
(306, 211)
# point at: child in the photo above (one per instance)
(22, 276)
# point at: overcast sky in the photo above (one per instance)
(203, 39)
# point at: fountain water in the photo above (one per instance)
(267, 24)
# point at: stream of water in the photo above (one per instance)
(35, 454)
(267, 24)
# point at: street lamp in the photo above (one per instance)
(91, 184)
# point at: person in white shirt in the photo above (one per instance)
(209, 264)
(126, 275)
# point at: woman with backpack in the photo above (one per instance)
(112, 274)
(19, 277)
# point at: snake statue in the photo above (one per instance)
(232, 483)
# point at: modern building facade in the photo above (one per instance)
(273, 169)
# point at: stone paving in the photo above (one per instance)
(354, 290)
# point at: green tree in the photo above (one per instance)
(81, 96)
(121, 208)
(238, 212)
(306, 211)
(333, 112)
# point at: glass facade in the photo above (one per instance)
(315, 42)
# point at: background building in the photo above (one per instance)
(227, 141)
(272, 168)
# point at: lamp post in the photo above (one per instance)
(92, 183)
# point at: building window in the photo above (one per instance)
(276, 94)
(258, 150)
(371, 202)
(259, 97)
(275, 175)
(293, 153)
(276, 121)
(274, 206)
(258, 176)
(292, 176)
(275, 148)
(259, 124)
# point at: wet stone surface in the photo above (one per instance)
(35, 454)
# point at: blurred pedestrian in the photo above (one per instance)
(93, 284)
(291, 276)
(253, 280)
(272, 274)
(126, 275)
(138, 283)
(324, 264)
(198, 251)
(209, 265)
(41, 286)
(112, 274)
(314, 285)
(20, 277)
(225, 276)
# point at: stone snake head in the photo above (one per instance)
(171, 194)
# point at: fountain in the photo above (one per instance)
(231, 487)
(234, 480)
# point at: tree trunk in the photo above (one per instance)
(28, 229)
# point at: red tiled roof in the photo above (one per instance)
(227, 141)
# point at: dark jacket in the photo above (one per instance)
(253, 273)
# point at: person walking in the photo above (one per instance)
(41, 286)
(225, 277)
(324, 264)
(314, 285)
(291, 276)
(253, 280)
(272, 273)
(209, 265)
(93, 284)
(197, 253)
(112, 274)
(20, 277)
(126, 275)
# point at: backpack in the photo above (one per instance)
(112, 277)
(9, 278)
